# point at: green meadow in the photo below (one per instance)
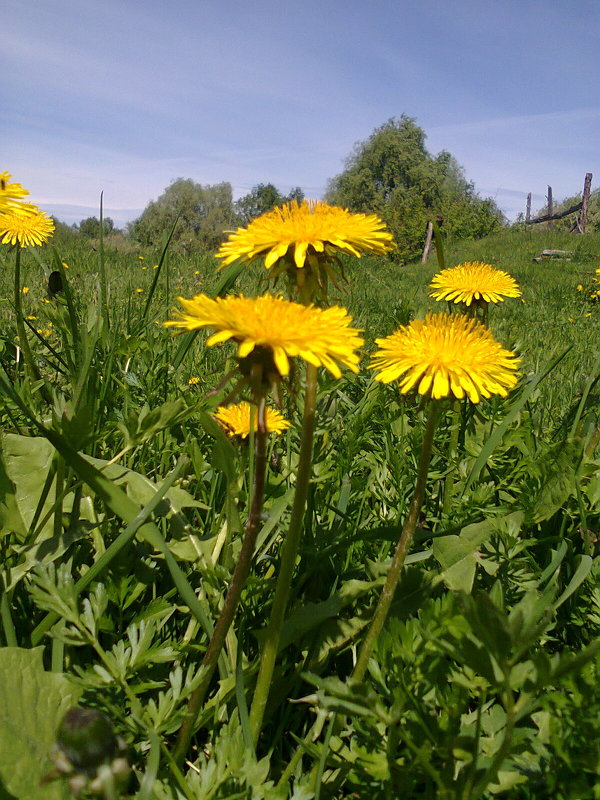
(123, 505)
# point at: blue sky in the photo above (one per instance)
(124, 96)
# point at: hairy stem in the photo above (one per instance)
(232, 599)
(387, 593)
(288, 558)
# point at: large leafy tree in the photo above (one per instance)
(392, 174)
(262, 198)
(203, 213)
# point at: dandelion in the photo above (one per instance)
(33, 228)
(155, 266)
(11, 195)
(473, 281)
(139, 290)
(236, 420)
(305, 240)
(193, 381)
(25, 290)
(283, 328)
(30, 318)
(446, 354)
(65, 265)
(579, 287)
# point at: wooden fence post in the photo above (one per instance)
(427, 247)
(550, 207)
(528, 209)
(587, 184)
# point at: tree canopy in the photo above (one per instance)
(261, 199)
(393, 175)
(203, 213)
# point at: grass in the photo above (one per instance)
(485, 677)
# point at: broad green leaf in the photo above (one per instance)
(27, 462)
(457, 555)
(32, 703)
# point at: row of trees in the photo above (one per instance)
(390, 174)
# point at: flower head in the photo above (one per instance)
(446, 354)
(25, 229)
(304, 240)
(471, 281)
(286, 329)
(306, 229)
(11, 195)
(236, 420)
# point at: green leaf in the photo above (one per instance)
(32, 704)
(26, 463)
(457, 555)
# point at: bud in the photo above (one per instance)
(87, 738)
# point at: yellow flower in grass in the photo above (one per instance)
(34, 228)
(446, 354)
(236, 419)
(471, 281)
(286, 329)
(310, 234)
(11, 195)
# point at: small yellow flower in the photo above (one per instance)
(579, 287)
(139, 290)
(321, 337)
(140, 258)
(155, 266)
(33, 228)
(65, 265)
(25, 290)
(446, 354)
(236, 419)
(144, 267)
(44, 300)
(471, 281)
(31, 318)
(197, 272)
(193, 381)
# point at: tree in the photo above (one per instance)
(90, 227)
(203, 213)
(393, 175)
(262, 198)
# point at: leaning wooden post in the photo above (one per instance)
(587, 185)
(550, 208)
(428, 239)
(528, 209)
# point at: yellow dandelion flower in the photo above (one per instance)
(11, 195)
(25, 229)
(139, 290)
(473, 280)
(446, 354)
(65, 265)
(25, 290)
(306, 230)
(287, 329)
(236, 419)
(579, 287)
(31, 318)
(155, 266)
(140, 258)
(193, 381)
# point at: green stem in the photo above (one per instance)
(10, 635)
(387, 593)
(452, 457)
(288, 558)
(232, 599)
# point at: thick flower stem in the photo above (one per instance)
(232, 599)
(288, 558)
(387, 593)
(452, 458)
